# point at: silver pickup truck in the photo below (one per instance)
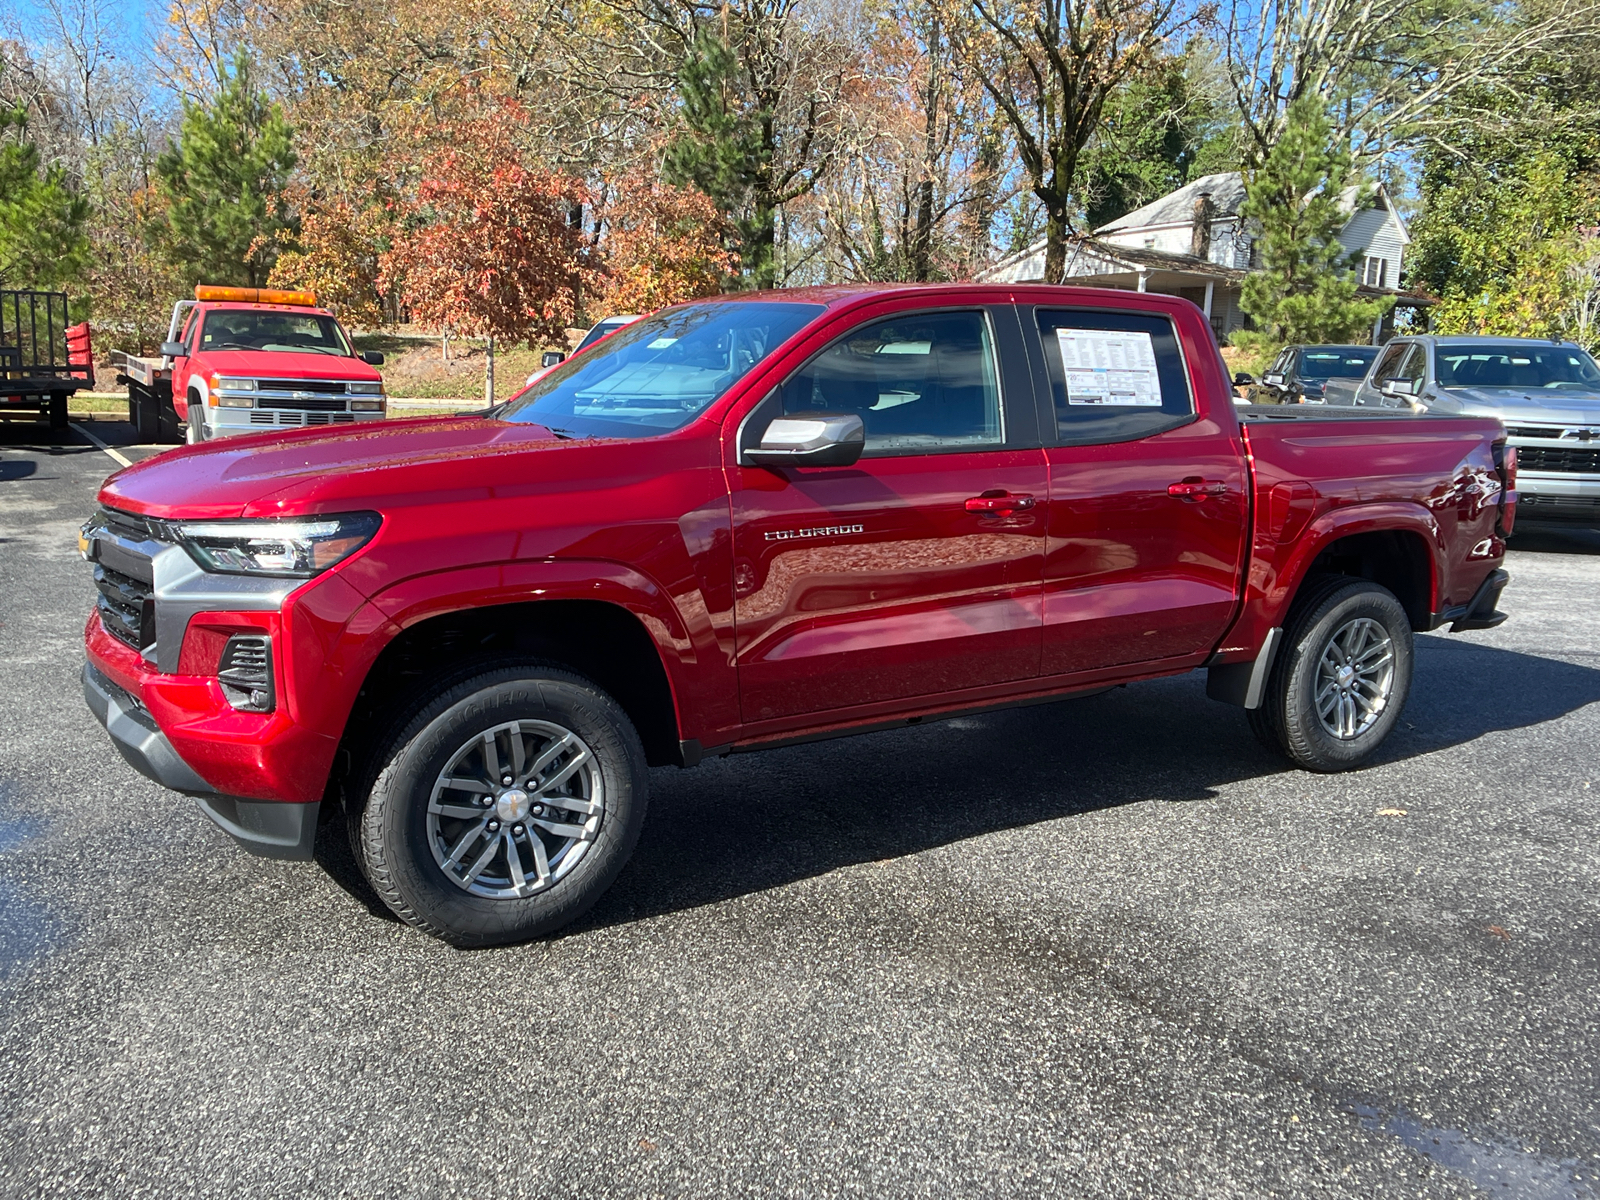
(1547, 393)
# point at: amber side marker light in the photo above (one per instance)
(241, 295)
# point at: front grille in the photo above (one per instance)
(1559, 459)
(308, 404)
(1533, 431)
(127, 609)
(127, 525)
(322, 387)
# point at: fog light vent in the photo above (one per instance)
(246, 672)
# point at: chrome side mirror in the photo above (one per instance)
(810, 440)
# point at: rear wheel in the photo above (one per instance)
(1342, 678)
(505, 808)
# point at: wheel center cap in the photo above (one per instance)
(513, 804)
(1345, 676)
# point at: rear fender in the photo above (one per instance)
(1277, 570)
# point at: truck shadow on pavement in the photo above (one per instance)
(752, 822)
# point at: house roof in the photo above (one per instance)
(1227, 194)
(1177, 208)
(1089, 257)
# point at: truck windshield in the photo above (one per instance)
(659, 373)
(1556, 367)
(262, 329)
(1349, 363)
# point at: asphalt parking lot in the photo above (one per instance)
(1107, 947)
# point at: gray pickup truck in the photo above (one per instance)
(1547, 393)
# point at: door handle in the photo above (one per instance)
(1195, 488)
(999, 504)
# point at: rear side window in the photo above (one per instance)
(1113, 376)
(921, 383)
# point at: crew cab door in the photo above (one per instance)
(1148, 504)
(917, 570)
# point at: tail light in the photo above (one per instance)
(245, 672)
(1505, 462)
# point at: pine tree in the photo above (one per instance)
(726, 151)
(225, 181)
(42, 239)
(1305, 290)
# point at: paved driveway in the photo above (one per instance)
(1107, 947)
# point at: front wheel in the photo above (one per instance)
(1341, 679)
(505, 808)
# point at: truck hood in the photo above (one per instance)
(333, 468)
(1551, 407)
(279, 364)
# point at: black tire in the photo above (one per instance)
(395, 842)
(197, 425)
(1288, 719)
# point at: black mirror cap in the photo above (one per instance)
(372, 358)
(810, 440)
(552, 358)
(173, 349)
(1244, 379)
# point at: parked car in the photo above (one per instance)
(1302, 374)
(552, 359)
(1547, 393)
(747, 522)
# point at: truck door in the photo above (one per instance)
(180, 366)
(1148, 506)
(917, 570)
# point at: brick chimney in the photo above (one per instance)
(1204, 213)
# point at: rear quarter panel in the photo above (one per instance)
(1315, 482)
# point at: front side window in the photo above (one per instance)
(1416, 366)
(1554, 367)
(260, 329)
(919, 383)
(1114, 376)
(1389, 364)
(658, 374)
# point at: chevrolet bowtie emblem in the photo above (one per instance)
(1580, 435)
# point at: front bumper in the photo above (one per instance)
(271, 828)
(1551, 496)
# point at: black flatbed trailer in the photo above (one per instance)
(43, 361)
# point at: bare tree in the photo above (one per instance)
(1049, 66)
(1386, 69)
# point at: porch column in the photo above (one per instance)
(1144, 277)
(1211, 287)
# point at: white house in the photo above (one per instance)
(1193, 243)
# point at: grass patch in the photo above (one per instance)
(415, 366)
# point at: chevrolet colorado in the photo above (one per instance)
(747, 522)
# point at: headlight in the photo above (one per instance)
(364, 389)
(366, 406)
(233, 385)
(297, 547)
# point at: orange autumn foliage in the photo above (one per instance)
(663, 245)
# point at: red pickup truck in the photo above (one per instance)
(748, 522)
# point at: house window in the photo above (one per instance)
(1375, 271)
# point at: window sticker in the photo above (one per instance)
(1109, 368)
